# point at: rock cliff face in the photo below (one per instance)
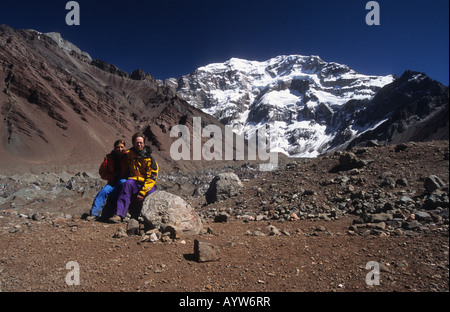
(315, 106)
(59, 107)
(414, 108)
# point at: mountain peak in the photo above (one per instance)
(63, 44)
(315, 106)
(244, 65)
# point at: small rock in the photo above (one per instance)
(294, 217)
(120, 233)
(144, 238)
(401, 147)
(14, 230)
(255, 233)
(348, 161)
(384, 268)
(174, 232)
(10, 212)
(153, 238)
(37, 216)
(273, 230)
(221, 217)
(133, 227)
(423, 216)
(411, 225)
(205, 251)
(209, 230)
(166, 237)
(380, 217)
(406, 200)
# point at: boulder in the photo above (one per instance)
(348, 161)
(163, 210)
(433, 183)
(223, 186)
(221, 217)
(423, 216)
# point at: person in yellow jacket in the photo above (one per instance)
(143, 175)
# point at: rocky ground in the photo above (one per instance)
(313, 225)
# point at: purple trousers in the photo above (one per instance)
(129, 189)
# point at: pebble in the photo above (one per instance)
(273, 230)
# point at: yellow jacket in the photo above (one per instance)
(143, 168)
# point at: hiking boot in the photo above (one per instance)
(115, 219)
(91, 218)
(88, 217)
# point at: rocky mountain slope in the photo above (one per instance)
(316, 106)
(61, 109)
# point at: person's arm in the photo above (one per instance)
(104, 171)
(150, 178)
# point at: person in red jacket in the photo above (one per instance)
(115, 170)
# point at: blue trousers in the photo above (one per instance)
(109, 192)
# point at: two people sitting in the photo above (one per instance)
(131, 175)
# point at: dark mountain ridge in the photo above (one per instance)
(412, 108)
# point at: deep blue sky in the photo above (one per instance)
(170, 38)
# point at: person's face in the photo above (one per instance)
(139, 144)
(120, 148)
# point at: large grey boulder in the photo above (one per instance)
(223, 186)
(165, 211)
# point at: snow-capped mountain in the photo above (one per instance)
(298, 96)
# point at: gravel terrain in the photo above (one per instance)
(313, 225)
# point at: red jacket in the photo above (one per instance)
(114, 167)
